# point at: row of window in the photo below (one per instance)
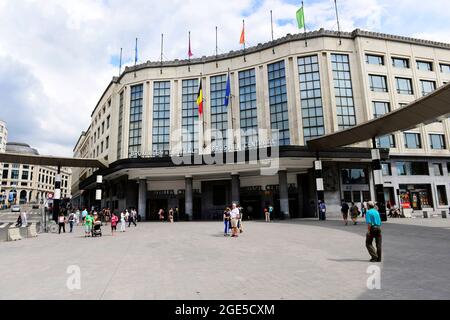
(419, 168)
(378, 83)
(404, 63)
(413, 141)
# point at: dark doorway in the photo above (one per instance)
(252, 207)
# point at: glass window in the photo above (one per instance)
(14, 174)
(190, 116)
(248, 110)
(442, 195)
(427, 86)
(279, 117)
(378, 83)
(386, 141)
(347, 196)
(437, 169)
(402, 63)
(5, 174)
(445, 68)
(161, 118)
(374, 59)
(380, 108)
(386, 169)
(412, 140)
(404, 86)
(134, 142)
(311, 97)
(437, 141)
(353, 176)
(406, 168)
(219, 113)
(108, 122)
(343, 91)
(120, 128)
(24, 175)
(424, 65)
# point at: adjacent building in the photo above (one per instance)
(22, 184)
(283, 93)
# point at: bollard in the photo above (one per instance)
(14, 234)
(425, 214)
(444, 214)
(32, 232)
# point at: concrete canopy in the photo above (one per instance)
(51, 161)
(425, 110)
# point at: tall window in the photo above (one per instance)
(386, 141)
(24, 175)
(406, 168)
(380, 108)
(311, 97)
(445, 68)
(137, 96)
(161, 117)
(437, 141)
(412, 140)
(424, 65)
(401, 63)
(404, 86)
(343, 90)
(120, 128)
(378, 83)
(427, 86)
(279, 117)
(374, 59)
(219, 113)
(442, 195)
(190, 116)
(247, 105)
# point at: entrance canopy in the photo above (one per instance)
(426, 110)
(51, 161)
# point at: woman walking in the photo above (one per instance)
(354, 212)
(171, 215)
(344, 211)
(114, 221)
(267, 214)
(226, 221)
(122, 222)
(61, 223)
(72, 219)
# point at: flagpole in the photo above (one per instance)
(162, 48)
(135, 57)
(217, 50)
(271, 28)
(120, 62)
(243, 30)
(338, 25)
(203, 111)
(189, 53)
(304, 25)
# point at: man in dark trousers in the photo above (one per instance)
(373, 221)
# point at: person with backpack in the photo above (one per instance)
(354, 212)
(322, 210)
(344, 210)
(71, 221)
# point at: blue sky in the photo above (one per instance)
(57, 57)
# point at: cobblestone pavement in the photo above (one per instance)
(297, 259)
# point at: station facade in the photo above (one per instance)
(162, 153)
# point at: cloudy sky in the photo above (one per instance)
(58, 56)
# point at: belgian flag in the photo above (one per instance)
(200, 99)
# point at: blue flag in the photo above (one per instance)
(227, 92)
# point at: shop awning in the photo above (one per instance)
(433, 107)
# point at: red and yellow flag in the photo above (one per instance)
(200, 98)
(242, 40)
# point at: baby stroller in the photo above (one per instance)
(97, 230)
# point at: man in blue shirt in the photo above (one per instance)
(373, 221)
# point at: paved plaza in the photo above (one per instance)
(298, 259)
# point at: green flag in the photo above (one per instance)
(301, 18)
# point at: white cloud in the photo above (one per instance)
(55, 55)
